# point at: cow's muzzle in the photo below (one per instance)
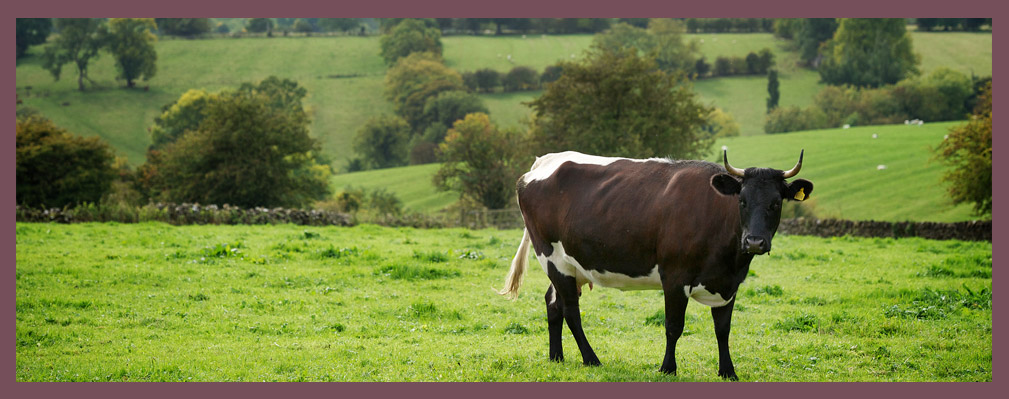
(756, 245)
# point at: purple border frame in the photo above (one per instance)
(511, 8)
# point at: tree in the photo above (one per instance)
(967, 151)
(246, 152)
(663, 40)
(303, 26)
(813, 32)
(56, 168)
(79, 41)
(132, 44)
(259, 25)
(450, 106)
(619, 103)
(481, 162)
(487, 79)
(550, 74)
(186, 27)
(183, 115)
(772, 90)
(521, 78)
(414, 79)
(338, 24)
(31, 31)
(410, 36)
(869, 52)
(382, 142)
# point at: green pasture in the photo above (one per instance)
(411, 184)
(154, 302)
(344, 77)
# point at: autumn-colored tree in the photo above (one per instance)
(967, 151)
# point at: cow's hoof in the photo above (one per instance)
(592, 362)
(729, 375)
(670, 371)
(557, 358)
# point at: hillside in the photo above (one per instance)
(842, 164)
(344, 77)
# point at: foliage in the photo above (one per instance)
(550, 74)
(481, 161)
(303, 26)
(447, 107)
(792, 118)
(30, 32)
(726, 25)
(720, 124)
(413, 80)
(55, 168)
(186, 27)
(941, 95)
(615, 102)
(786, 28)
(251, 148)
(869, 52)
(662, 40)
(812, 33)
(520, 78)
(79, 40)
(773, 94)
(410, 36)
(132, 44)
(487, 79)
(259, 25)
(967, 151)
(338, 24)
(181, 116)
(382, 142)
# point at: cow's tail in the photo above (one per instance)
(514, 279)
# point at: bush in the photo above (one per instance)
(487, 79)
(521, 78)
(56, 168)
(382, 142)
(550, 74)
(792, 118)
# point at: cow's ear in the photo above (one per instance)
(799, 190)
(726, 184)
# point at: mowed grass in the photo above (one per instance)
(842, 164)
(153, 302)
(345, 79)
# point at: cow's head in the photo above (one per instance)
(760, 191)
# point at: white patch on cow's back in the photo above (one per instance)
(570, 266)
(546, 165)
(703, 296)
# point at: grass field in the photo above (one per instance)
(153, 302)
(344, 78)
(841, 163)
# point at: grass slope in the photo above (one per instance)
(153, 302)
(344, 78)
(842, 164)
(411, 184)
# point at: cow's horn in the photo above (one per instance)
(794, 171)
(729, 168)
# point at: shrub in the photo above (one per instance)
(56, 168)
(792, 118)
(487, 79)
(521, 78)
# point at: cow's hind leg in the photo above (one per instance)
(723, 319)
(567, 292)
(555, 321)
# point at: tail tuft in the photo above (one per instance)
(514, 279)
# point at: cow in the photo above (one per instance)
(689, 228)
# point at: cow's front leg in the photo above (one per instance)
(676, 307)
(723, 319)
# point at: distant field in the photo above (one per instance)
(344, 77)
(411, 184)
(154, 302)
(842, 164)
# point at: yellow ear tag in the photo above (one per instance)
(801, 195)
